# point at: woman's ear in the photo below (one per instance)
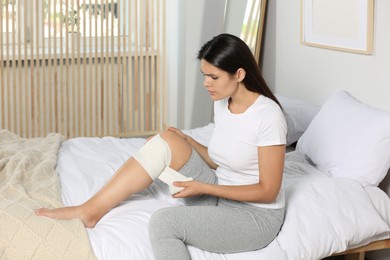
(240, 74)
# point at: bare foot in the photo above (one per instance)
(75, 212)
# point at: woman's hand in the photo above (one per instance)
(177, 131)
(191, 188)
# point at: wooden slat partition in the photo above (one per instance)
(104, 79)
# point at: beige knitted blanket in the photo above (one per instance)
(28, 181)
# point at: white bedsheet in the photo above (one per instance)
(324, 215)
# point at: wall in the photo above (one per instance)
(189, 104)
(234, 15)
(173, 50)
(311, 73)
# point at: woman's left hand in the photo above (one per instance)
(191, 188)
(178, 131)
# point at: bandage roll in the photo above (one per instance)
(169, 175)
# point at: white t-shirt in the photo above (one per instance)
(236, 137)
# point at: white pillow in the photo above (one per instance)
(298, 114)
(325, 215)
(349, 139)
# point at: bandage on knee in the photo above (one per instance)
(155, 158)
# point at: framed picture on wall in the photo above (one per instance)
(346, 25)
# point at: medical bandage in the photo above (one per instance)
(155, 158)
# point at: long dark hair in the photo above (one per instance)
(229, 53)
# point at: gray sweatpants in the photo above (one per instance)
(212, 224)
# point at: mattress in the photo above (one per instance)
(324, 215)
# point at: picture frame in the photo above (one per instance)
(346, 25)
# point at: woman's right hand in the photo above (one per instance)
(200, 149)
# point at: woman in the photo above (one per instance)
(238, 208)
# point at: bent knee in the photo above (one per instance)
(161, 222)
(172, 138)
(160, 216)
(180, 148)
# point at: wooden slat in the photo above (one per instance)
(376, 245)
(20, 81)
(2, 83)
(61, 95)
(136, 98)
(33, 86)
(79, 86)
(114, 78)
(50, 85)
(7, 122)
(54, 81)
(13, 92)
(119, 105)
(152, 48)
(105, 72)
(96, 108)
(355, 256)
(90, 89)
(147, 105)
(129, 119)
(82, 65)
(38, 97)
(100, 83)
(23, 115)
(162, 72)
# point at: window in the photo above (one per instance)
(48, 21)
(8, 21)
(82, 67)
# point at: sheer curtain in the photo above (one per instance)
(82, 68)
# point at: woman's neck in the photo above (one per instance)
(241, 101)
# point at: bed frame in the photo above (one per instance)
(359, 253)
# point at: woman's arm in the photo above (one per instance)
(271, 165)
(199, 148)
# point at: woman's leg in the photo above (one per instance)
(220, 229)
(130, 178)
(198, 170)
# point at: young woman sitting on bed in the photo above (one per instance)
(238, 208)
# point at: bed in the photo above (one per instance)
(332, 171)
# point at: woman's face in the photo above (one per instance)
(218, 83)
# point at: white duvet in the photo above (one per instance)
(324, 215)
